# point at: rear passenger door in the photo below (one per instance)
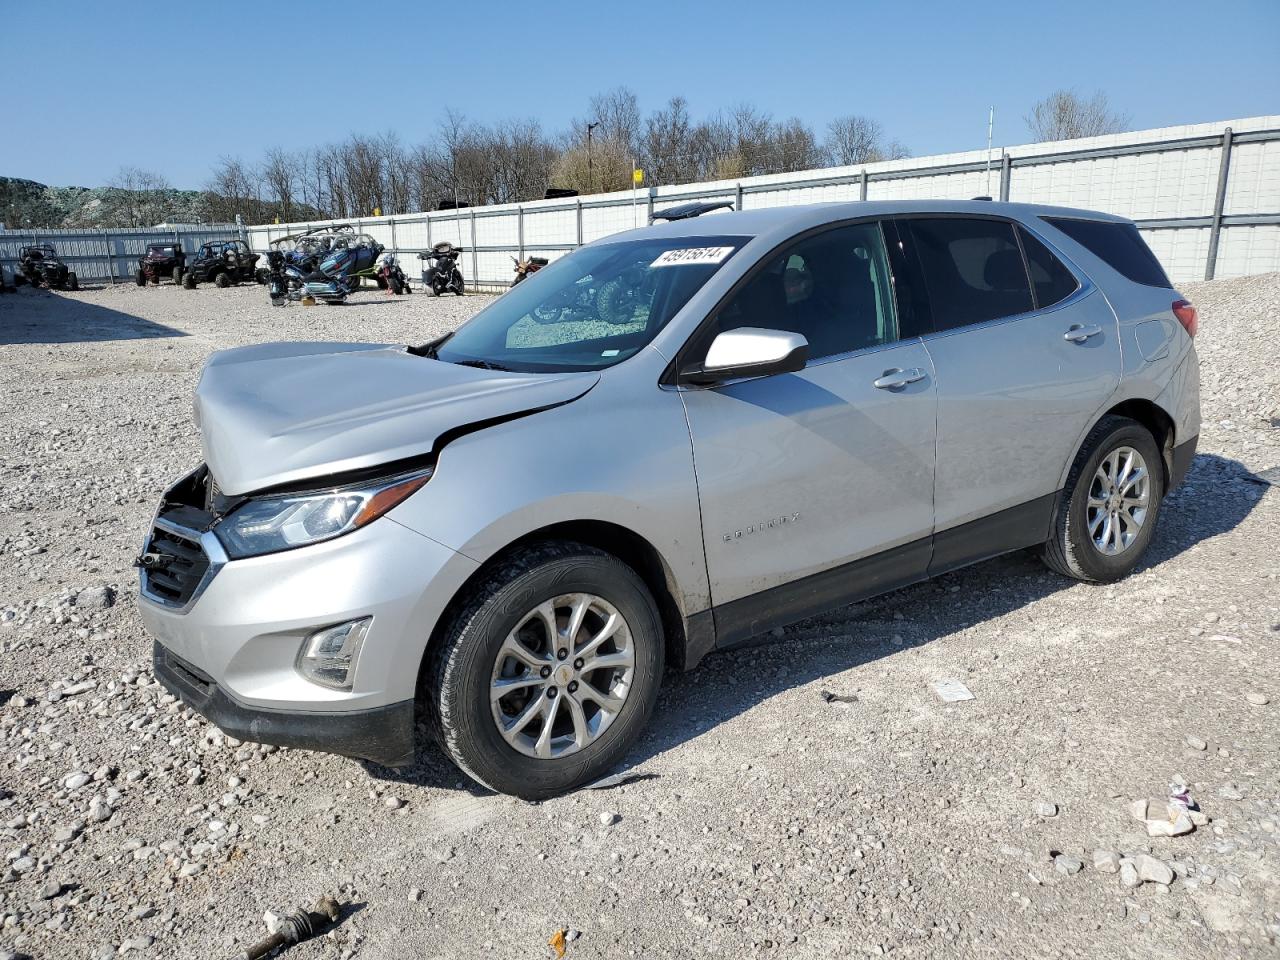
(1025, 352)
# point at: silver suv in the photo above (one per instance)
(661, 445)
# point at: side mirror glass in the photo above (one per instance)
(748, 352)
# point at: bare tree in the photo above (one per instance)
(1065, 115)
(281, 176)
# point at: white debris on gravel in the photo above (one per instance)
(765, 823)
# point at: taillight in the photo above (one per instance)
(1187, 316)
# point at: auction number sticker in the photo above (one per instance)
(692, 255)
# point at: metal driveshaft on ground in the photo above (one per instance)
(296, 927)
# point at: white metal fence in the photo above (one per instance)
(106, 256)
(1206, 196)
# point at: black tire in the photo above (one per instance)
(188, 281)
(461, 664)
(262, 276)
(73, 282)
(1071, 550)
(222, 279)
(177, 274)
(140, 278)
(397, 287)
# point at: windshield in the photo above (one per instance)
(592, 309)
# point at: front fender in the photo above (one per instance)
(629, 464)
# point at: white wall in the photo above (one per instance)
(1168, 174)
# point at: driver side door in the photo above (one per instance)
(816, 487)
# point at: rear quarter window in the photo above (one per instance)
(1119, 245)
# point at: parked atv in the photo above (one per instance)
(225, 262)
(443, 274)
(39, 266)
(527, 268)
(391, 277)
(161, 260)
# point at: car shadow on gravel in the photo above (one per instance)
(731, 682)
(48, 317)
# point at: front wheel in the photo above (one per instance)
(73, 282)
(177, 274)
(1110, 504)
(140, 278)
(549, 671)
(188, 281)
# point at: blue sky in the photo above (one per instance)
(171, 92)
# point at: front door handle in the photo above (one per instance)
(897, 377)
(1079, 333)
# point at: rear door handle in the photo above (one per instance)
(1079, 333)
(897, 377)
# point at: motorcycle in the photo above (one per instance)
(527, 268)
(443, 274)
(391, 277)
(339, 271)
(283, 279)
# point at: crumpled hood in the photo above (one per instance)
(286, 412)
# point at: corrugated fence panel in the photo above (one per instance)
(1166, 178)
(1182, 252)
(101, 256)
(1244, 251)
(1254, 184)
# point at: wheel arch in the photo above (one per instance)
(1151, 415)
(682, 635)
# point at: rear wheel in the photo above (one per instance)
(177, 274)
(189, 281)
(549, 671)
(396, 286)
(223, 279)
(73, 282)
(140, 278)
(1109, 505)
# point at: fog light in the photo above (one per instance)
(328, 656)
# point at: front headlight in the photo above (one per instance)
(270, 524)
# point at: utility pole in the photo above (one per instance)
(991, 122)
(591, 176)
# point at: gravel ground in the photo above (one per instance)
(810, 798)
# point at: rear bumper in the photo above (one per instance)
(1183, 454)
(381, 734)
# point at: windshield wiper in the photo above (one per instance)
(482, 364)
(431, 348)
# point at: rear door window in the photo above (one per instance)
(1051, 281)
(971, 268)
(1119, 245)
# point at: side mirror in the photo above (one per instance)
(748, 352)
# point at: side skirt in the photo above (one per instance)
(736, 622)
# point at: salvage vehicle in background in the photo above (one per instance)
(40, 266)
(442, 274)
(222, 262)
(391, 277)
(665, 443)
(527, 268)
(161, 260)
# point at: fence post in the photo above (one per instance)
(520, 230)
(649, 204)
(738, 196)
(428, 231)
(475, 257)
(1006, 173)
(1219, 203)
(862, 185)
(395, 250)
(578, 201)
(111, 265)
